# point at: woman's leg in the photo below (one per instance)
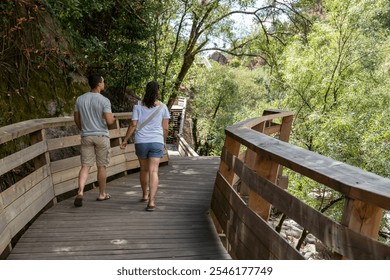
(144, 176)
(153, 179)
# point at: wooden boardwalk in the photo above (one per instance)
(121, 229)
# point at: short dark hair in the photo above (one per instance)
(94, 80)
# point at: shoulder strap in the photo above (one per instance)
(139, 127)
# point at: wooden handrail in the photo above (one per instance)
(250, 182)
(184, 149)
(51, 179)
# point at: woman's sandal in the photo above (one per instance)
(78, 202)
(107, 196)
(150, 208)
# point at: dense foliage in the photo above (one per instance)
(39, 73)
(328, 63)
(112, 36)
(334, 76)
(326, 60)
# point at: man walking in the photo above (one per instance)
(92, 115)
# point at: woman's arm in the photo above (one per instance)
(129, 132)
(165, 125)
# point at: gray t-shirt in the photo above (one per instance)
(91, 107)
(152, 132)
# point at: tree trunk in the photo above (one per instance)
(187, 63)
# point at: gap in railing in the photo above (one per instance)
(311, 247)
(61, 132)
(6, 149)
(317, 196)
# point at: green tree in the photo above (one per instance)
(336, 80)
(223, 95)
(134, 41)
(191, 28)
(111, 35)
(334, 70)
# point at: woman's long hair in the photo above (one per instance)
(151, 94)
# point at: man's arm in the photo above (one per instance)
(109, 117)
(77, 119)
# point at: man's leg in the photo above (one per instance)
(83, 177)
(87, 160)
(102, 150)
(102, 180)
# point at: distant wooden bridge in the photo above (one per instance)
(207, 208)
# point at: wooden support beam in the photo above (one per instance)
(233, 147)
(361, 217)
(267, 169)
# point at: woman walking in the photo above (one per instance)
(150, 125)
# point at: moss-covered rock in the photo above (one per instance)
(39, 75)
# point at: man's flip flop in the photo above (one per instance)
(105, 198)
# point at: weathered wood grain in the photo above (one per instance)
(346, 179)
(120, 228)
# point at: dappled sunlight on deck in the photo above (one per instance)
(120, 228)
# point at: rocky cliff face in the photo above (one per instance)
(39, 75)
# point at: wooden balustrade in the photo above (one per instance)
(50, 178)
(250, 182)
(184, 149)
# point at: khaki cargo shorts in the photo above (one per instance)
(95, 148)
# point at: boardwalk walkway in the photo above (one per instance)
(120, 228)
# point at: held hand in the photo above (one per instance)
(123, 145)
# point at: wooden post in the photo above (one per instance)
(266, 168)
(361, 217)
(285, 131)
(233, 147)
(117, 141)
(242, 188)
(43, 159)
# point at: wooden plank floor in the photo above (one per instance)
(120, 228)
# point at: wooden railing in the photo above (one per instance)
(48, 178)
(182, 146)
(250, 183)
(184, 149)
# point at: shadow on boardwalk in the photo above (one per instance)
(120, 228)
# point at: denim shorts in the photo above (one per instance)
(149, 150)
